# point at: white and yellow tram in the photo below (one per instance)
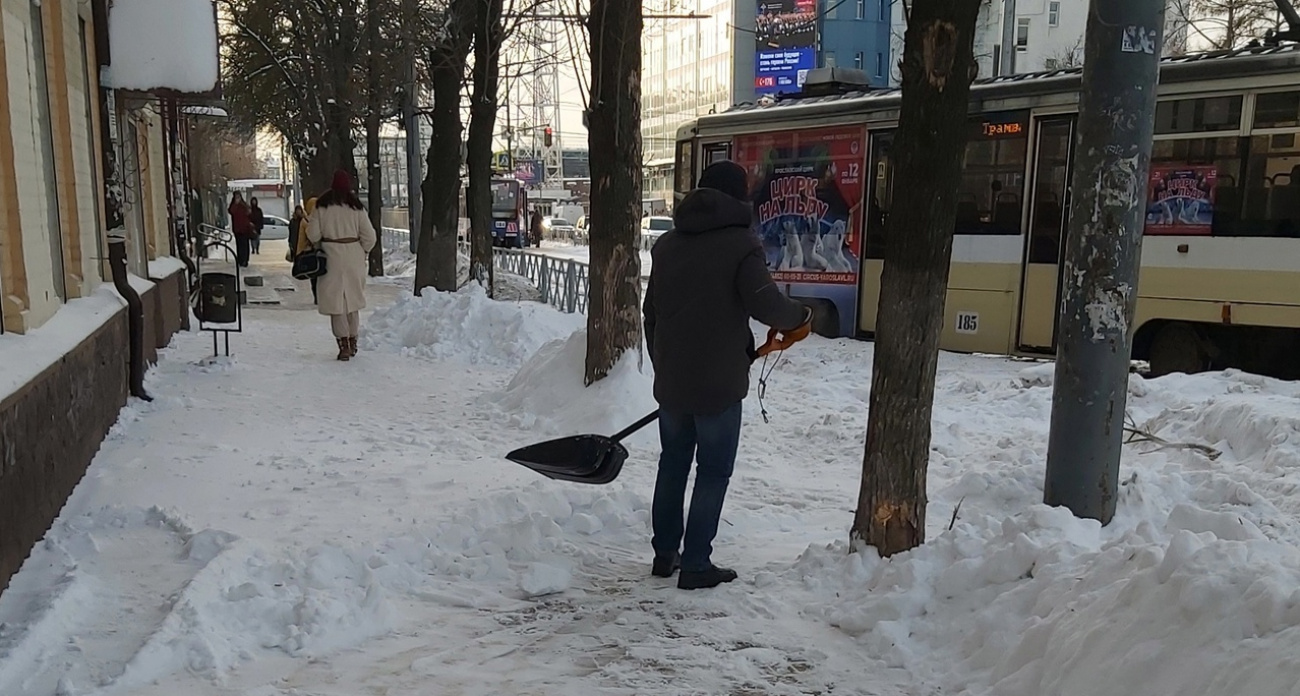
(1220, 274)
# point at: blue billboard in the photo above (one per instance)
(785, 34)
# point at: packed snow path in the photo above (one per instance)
(279, 524)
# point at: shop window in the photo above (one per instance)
(1196, 187)
(1198, 115)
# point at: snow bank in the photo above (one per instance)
(163, 44)
(467, 326)
(25, 356)
(547, 394)
(400, 263)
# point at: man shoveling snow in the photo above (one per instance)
(708, 279)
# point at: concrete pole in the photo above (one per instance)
(1111, 163)
(1008, 58)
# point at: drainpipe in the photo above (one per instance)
(134, 314)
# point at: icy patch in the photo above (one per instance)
(548, 393)
(467, 326)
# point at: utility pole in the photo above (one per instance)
(411, 120)
(1112, 161)
(1008, 65)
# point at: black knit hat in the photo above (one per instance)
(728, 177)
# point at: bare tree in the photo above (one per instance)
(1070, 56)
(1221, 24)
(614, 137)
(448, 41)
(489, 36)
(938, 67)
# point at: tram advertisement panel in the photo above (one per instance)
(1180, 199)
(807, 195)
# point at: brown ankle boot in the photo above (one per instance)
(352, 345)
(344, 353)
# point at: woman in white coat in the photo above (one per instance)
(341, 227)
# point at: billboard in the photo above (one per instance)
(785, 34)
(808, 202)
(1180, 199)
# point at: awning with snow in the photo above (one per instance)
(163, 45)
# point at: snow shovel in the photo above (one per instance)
(598, 459)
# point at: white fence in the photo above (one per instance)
(562, 282)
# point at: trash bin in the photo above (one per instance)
(218, 298)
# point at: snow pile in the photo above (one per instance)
(400, 263)
(163, 44)
(547, 394)
(467, 326)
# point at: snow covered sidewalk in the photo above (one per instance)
(280, 524)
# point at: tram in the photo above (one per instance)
(1220, 266)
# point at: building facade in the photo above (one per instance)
(66, 336)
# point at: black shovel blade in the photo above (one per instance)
(593, 459)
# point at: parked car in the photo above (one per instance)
(558, 228)
(276, 227)
(652, 228)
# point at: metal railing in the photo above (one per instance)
(563, 282)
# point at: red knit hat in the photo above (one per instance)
(342, 184)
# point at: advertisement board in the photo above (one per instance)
(808, 192)
(1180, 199)
(785, 34)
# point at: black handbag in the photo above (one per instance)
(309, 264)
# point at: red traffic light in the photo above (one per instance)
(547, 136)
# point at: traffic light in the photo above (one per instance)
(547, 136)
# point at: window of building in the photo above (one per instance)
(1198, 115)
(859, 61)
(1053, 13)
(862, 9)
(95, 191)
(830, 60)
(41, 100)
(1022, 34)
(884, 10)
(880, 65)
(992, 187)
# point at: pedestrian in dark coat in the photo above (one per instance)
(259, 221)
(708, 278)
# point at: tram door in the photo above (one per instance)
(1040, 297)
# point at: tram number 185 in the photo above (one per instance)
(968, 323)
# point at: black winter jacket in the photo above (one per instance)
(707, 279)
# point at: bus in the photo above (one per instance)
(509, 213)
(1220, 265)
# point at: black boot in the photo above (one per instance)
(665, 567)
(344, 353)
(704, 579)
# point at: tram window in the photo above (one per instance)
(1198, 115)
(1277, 110)
(685, 177)
(1271, 207)
(992, 187)
(1196, 187)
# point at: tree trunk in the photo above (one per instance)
(614, 286)
(375, 105)
(937, 68)
(435, 264)
(482, 122)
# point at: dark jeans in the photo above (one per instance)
(712, 441)
(241, 250)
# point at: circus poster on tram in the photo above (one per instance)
(1180, 199)
(808, 191)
